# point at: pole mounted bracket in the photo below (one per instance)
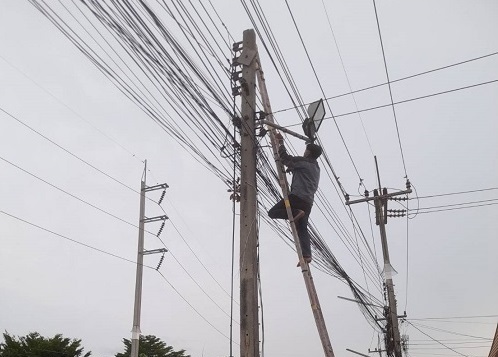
(237, 46)
(154, 251)
(155, 219)
(246, 57)
(162, 186)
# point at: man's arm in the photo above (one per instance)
(285, 158)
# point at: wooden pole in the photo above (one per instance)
(308, 278)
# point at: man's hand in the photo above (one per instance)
(279, 138)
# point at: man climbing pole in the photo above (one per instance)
(306, 175)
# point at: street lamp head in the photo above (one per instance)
(316, 113)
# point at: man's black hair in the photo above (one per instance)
(315, 150)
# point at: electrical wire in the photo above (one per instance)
(111, 255)
(390, 89)
(432, 338)
(347, 78)
(457, 208)
(454, 317)
(397, 80)
(145, 41)
(419, 98)
(71, 239)
(405, 101)
(322, 90)
(131, 224)
(455, 193)
(457, 204)
(66, 150)
(448, 332)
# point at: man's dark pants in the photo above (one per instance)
(279, 212)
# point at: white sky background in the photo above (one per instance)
(51, 285)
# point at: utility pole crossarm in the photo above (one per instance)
(154, 251)
(162, 186)
(358, 353)
(155, 219)
(393, 194)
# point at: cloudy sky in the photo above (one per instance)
(71, 160)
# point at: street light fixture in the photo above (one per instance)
(316, 113)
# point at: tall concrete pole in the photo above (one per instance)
(249, 326)
(392, 317)
(135, 332)
(393, 338)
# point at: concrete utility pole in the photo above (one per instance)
(249, 324)
(135, 332)
(393, 338)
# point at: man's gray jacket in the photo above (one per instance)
(305, 174)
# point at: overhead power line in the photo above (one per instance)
(449, 332)
(407, 100)
(135, 226)
(171, 89)
(114, 256)
(321, 88)
(454, 204)
(390, 89)
(455, 208)
(72, 240)
(435, 340)
(396, 80)
(454, 317)
(66, 150)
(454, 193)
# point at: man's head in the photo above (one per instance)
(312, 150)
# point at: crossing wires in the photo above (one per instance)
(390, 90)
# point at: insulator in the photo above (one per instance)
(236, 75)
(160, 262)
(237, 122)
(408, 184)
(161, 198)
(262, 132)
(237, 46)
(160, 229)
(367, 193)
(236, 91)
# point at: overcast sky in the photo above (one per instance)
(446, 261)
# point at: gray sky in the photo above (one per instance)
(51, 285)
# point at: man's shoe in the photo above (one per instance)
(306, 259)
(299, 215)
